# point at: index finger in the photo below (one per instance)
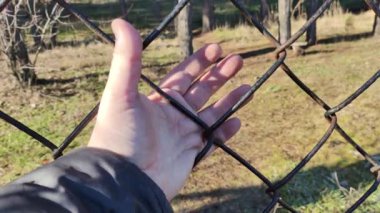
(182, 76)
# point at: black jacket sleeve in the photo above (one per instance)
(86, 180)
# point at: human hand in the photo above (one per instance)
(147, 130)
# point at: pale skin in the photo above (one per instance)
(147, 130)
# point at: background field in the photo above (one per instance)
(280, 125)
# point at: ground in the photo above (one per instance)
(279, 126)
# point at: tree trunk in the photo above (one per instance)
(123, 7)
(37, 37)
(20, 62)
(14, 47)
(297, 9)
(35, 30)
(311, 33)
(284, 7)
(264, 11)
(184, 33)
(156, 6)
(54, 34)
(208, 16)
(376, 24)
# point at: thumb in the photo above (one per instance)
(122, 84)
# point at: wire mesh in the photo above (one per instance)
(273, 188)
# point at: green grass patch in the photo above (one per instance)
(279, 126)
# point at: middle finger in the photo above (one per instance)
(200, 92)
(183, 75)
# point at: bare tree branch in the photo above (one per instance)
(19, 18)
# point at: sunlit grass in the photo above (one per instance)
(279, 126)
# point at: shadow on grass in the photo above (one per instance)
(68, 87)
(307, 187)
(77, 43)
(51, 81)
(266, 50)
(315, 52)
(330, 40)
(342, 38)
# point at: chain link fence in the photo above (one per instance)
(273, 188)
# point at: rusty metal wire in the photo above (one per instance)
(280, 52)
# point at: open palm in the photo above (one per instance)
(147, 130)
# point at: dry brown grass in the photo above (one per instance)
(279, 126)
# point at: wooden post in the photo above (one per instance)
(284, 20)
(184, 33)
(311, 33)
(208, 17)
(376, 24)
